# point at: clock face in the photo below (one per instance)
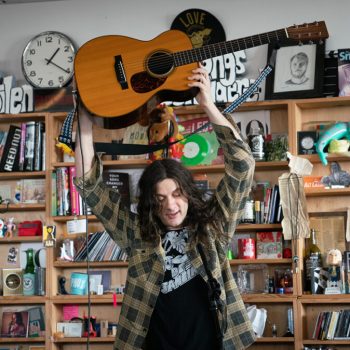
(307, 142)
(48, 60)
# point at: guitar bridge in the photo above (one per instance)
(120, 72)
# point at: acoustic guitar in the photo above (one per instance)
(116, 75)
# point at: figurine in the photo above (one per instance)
(338, 177)
(164, 129)
(62, 285)
(334, 261)
(11, 227)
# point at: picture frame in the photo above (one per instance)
(298, 71)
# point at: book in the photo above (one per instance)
(73, 192)
(3, 136)
(106, 277)
(119, 181)
(14, 324)
(36, 323)
(344, 72)
(22, 147)
(29, 153)
(33, 190)
(10, 157)
(39, 145)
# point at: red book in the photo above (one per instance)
(74, 195)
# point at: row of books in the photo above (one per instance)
(22, 148)
(23, 322)
(66, 200)
(332, 325)
(265, 205)
(100, 247)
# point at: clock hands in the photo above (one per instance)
(51, 58)
(65, 70)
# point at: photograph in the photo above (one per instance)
(297, 73)
(14, 324)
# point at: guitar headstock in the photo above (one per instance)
(308, 31)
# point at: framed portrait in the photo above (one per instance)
(298, 71)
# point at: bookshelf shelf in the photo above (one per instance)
(268, 298)
(20, 299)
(83, 299)
(84, 340)
(23, 207)
(324, 192)
(78, 264)
(234, 262)
(258, 227)
(22, 175)
(275, 340)
(22, 340)
(24, 239)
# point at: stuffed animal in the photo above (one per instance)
(163, 129)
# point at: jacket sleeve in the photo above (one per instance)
(233, 189)
(118, 220)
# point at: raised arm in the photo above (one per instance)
(84, 147)
(201, 80)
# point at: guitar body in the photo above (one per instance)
(115, 75)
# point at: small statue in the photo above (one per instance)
(62, 285)
(11, 227)
(334, 261)
(337, 177)
(163, 129)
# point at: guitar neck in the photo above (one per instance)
(182, 58)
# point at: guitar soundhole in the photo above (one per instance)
(160, 64)
(142, 82)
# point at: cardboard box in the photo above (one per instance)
(269, 245)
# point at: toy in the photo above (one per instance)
(334, 261)
(164, 129)
(337, 132)
(11, 227)
(337, 177)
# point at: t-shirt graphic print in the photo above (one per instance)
(178, 268)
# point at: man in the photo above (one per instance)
(298, 68)
(166, 304)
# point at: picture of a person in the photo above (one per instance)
(298, 67)
(16, 327)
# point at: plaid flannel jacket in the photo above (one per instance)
(146, 259)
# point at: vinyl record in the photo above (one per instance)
(201, 27)
(196, 149)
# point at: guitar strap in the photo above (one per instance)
(65, 141)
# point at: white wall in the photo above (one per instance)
(145, 19)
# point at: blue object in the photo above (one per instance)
(335, 132)
(78, 283)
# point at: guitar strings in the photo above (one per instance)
(216, 49)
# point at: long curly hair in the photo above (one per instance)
(201, 212)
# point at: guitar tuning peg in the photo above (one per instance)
(321, 42)
(300, 43)
(311, 42)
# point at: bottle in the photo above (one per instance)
(313, 260)
(248, 214)
(29, 274)
(256, 143)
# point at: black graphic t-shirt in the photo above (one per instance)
(181, 319)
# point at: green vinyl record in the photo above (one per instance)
(196, 149)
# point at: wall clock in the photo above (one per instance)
(48, 60)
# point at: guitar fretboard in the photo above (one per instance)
(182, 58)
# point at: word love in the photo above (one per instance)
(14, 100)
